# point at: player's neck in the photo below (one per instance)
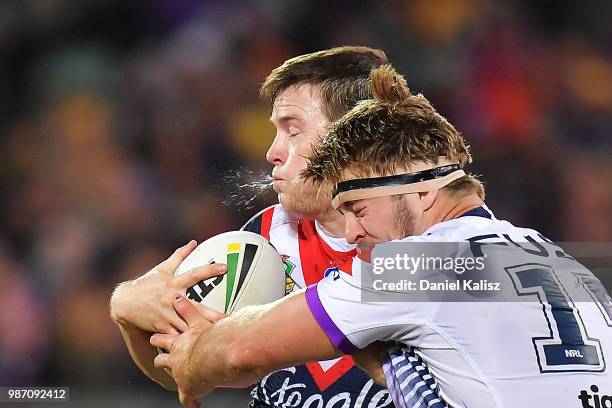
(448, 207)
(332, 222)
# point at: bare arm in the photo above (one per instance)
(255, 341)
(137, 342)
(369, 360)
(240, 349)
(143, 306)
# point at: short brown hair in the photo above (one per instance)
(341, 74)
(391, 131)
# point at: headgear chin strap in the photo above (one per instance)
(427, 179)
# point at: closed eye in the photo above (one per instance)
(358, 211)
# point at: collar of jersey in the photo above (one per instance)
(479, 212)
(337, 244)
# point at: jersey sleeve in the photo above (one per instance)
(323, 305)
(352, 323)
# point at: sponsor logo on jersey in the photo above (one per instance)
(594, 400)
(332, 271)
(289, 267)
(297, 394)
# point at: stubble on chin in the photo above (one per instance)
(304, 200)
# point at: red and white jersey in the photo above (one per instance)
(309, 255)
(544, 341)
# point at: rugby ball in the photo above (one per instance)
(255, 272)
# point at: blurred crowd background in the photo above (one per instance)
(129, 127)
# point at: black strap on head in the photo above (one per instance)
(397, 180)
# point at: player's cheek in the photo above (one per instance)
(295, 164)
(300, 159)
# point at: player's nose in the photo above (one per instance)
(354, 230)
(277, 153)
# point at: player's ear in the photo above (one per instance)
(428, 199)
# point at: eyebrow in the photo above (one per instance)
(346, 206)
(284, 118)
(358, 203)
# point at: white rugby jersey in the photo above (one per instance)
(548, 346)
(309, 254)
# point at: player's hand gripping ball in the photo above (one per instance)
(255, 272)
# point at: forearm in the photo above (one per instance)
(137, 342)
(369, 360)
(216, 368)
(237, 351)
(220, 359)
